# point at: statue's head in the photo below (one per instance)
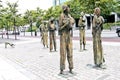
(65, 8)
(82, 13)
(97, 11)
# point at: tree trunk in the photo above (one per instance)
(7, 33)
(31, 28)
(15, 30)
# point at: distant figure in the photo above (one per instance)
(65, 27)
(52, 35)
(41, 31)
(81, 25)
(97, 42)
(35, 33)
(44, 34)
(40, 24)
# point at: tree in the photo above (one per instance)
(75, 8)
(1, 20)
(117, 7)
(12, 7)
(6, 20)
(88, 6)
(29, 17)
(39, 12)
(53, 12)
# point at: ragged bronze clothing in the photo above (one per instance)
(81, 25)
(44, 34)
(65, 24)
(97, 42)
(52, 36)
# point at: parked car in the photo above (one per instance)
(118, 31)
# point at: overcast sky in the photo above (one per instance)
(30, 4)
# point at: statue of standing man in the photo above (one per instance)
(65, 27)
(82, 25)
(97, 42)
(52, 34)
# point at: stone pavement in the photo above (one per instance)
(35, 62)
(8, 72)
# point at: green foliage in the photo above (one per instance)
(109, 25)
(34, 28)
(75, 8)
(53, 12)
(117, 7)
(5, 18)
(38, 23)
(9, 13)
(88, 6)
